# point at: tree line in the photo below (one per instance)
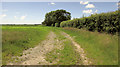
(103, 22)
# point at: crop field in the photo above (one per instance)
(15, 39)
(54, 46)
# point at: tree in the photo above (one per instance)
(56, 17)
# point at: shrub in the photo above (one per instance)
(52, 25)
(104, 22)
(57, 25)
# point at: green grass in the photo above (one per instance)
(15, 39)
(66, 56)
(101, 48)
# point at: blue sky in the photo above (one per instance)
(58, 0)
(34, 12)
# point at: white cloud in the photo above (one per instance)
(15, 17)
(22, 17)
(52, 3)
(92, 13)
(3, 15)
(118, 3)
(84, 3)
(87, 11)
(90, 6)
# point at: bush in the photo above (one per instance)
(52, 25)
(57, 25)
(104, 22)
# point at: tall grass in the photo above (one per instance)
(101, 48)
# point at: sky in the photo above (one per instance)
(58, 0)
(34, 12)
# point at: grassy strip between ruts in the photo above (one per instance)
(66, 55)
(16, 39)
(101, 48)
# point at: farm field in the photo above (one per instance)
(43, 45)
(15, 39)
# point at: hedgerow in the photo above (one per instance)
(104, 22)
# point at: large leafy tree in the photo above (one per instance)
(56, 17)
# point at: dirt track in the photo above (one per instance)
(36, 55)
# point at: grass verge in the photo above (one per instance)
(101, 48)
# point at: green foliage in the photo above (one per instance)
(57, 25)
(52, 25)
(104, 22)
(56, 17)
